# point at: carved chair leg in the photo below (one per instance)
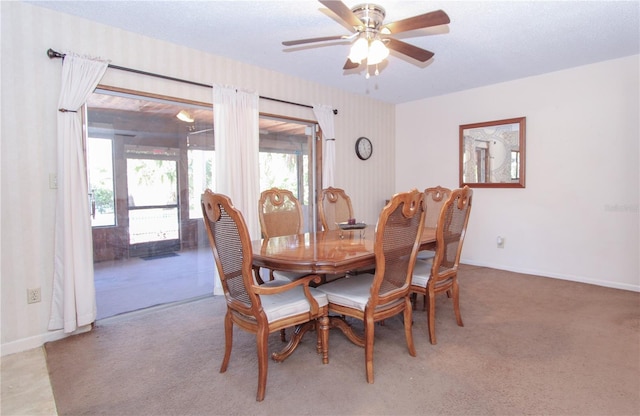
(408, 325)
(456, 302)
(431, 317)
(228, 341)
(263, 362)
(369, 326)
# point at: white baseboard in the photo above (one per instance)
(571, 278)
(36, 341)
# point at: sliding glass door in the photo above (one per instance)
(147, 169)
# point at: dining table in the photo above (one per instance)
(324, 253)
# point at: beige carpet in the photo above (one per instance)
(530, 345)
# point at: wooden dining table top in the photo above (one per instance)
(323, 252)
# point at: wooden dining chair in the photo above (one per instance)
(441, 273)
(280, 213)
(334, 207)
(259, 309)
(379, 296)
(434, 199)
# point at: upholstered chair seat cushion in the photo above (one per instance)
(426, 255)
(353, 292)
(421, 272)
(289, 303)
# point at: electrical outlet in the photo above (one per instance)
(33, 295)
(53, 181)
(500, 242)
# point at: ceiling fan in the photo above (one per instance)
(373, 38)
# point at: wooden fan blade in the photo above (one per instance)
(311, 40)
(350, 65)
(343, 12)
(414, 52)
(435, 18)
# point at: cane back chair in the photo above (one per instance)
(379, 296)
(441, 274)
(280, 213)
(335, 207)
(259, 309)
(434, 199)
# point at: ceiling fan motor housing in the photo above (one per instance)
(371, 15)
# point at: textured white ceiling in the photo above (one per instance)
(487, 42)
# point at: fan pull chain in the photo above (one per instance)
(376, 73)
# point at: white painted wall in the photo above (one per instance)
(578, 217)
(30, 89)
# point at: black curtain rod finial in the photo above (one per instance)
(53, 54)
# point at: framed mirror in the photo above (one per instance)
(492, 154)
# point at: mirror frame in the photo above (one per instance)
(521, 124)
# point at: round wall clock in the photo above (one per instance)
(364, 148)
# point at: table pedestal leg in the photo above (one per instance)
(347, 330)
(293, 342)
(323, 340)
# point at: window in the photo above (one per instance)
(287, 155)
(200, 171)
(200, 164)
(101, 184)
(515, 165)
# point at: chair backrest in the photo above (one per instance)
(434, 199)
(397, 241)
(280, 213)
(231, 244)
(450, 232)
(334, 207)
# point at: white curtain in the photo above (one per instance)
(74, 299)
(236, 132)
(325, 116)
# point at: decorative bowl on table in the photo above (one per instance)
(351, 226)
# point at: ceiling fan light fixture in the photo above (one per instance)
(185, 116)
(374, 36)
(359, 50)
(377, 52)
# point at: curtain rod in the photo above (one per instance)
(53, 54)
